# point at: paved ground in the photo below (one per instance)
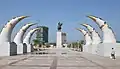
(69, 60)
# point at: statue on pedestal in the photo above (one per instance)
(59, 26)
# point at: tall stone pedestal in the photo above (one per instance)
(59, 39)
(21, 48)
(8, 49)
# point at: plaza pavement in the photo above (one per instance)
(69, 59)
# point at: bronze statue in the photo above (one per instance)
(59, 26)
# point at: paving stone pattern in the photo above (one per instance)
(71, 60)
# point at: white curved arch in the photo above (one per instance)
(5, 35)
(97, 20)
(108, 34)
(95, 36)
(19, 37)
(29, 35)
(87, 37)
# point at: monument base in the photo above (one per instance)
(8, 49)
(85, 48)
(24, 48)
(29, 48)
(92, 49)
(21, 48)
(105, 49)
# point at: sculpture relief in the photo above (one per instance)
(19, 37)
(108, 34)
(29, 35)
(87, 37)
(94, 35)
(5, 35)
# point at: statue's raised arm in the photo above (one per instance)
(59, 26)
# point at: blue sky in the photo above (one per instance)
(70, 12)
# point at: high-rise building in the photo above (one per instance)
(64, 39)
(42, 34)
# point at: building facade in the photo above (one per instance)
(42, 34)
(64, 38)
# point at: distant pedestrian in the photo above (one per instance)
(113, 54)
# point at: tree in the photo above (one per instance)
(78, 44)
(36, 42)
(81, 44)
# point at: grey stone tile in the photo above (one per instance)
(79, 68)
(113, 67)
(15, 67)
